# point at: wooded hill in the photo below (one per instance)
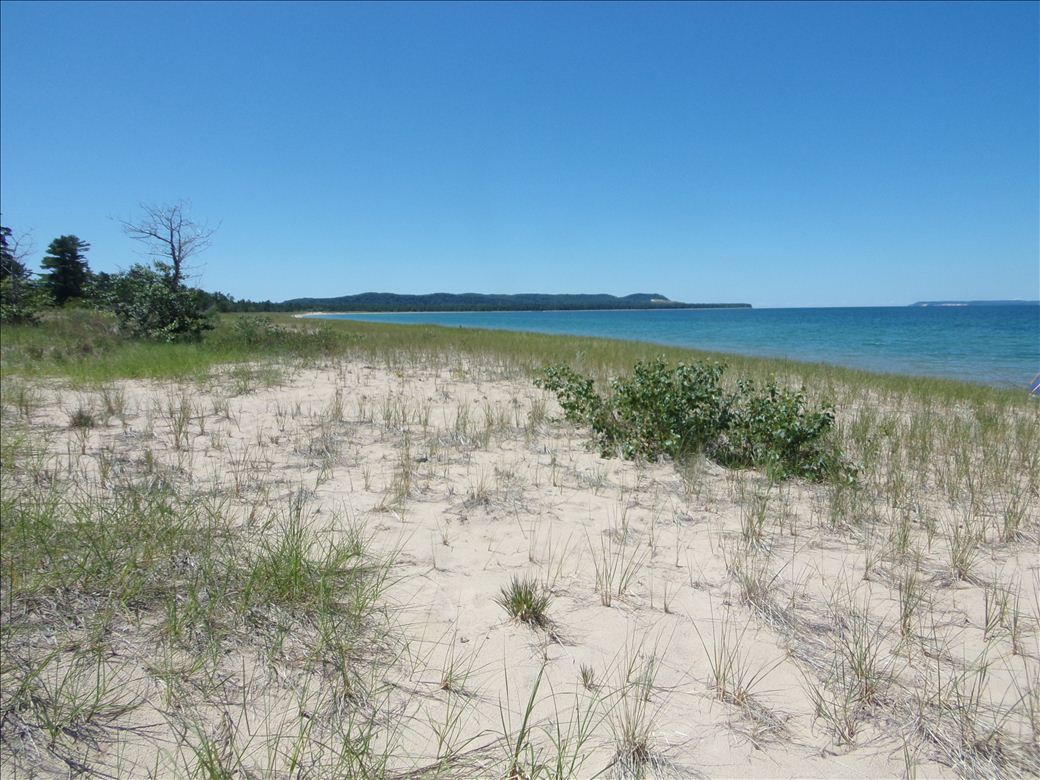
(372, 301)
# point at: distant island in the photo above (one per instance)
(392, 302)
(976, 303)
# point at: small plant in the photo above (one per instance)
(178, 411)
(525, 599)
(860, 645)
(588, 677)
(910, 600)
(964, 542)
(733, 679)
(336, 406)
(753, 511)
(755, 583)
(536, 416)
(1013, 518)
(837, 702)
(82, 419)
(616, 566)
(909, 765)
(113, 397)
(456, 669)
(23, 397)
(900, 537)
(520, 751)
(632, 717)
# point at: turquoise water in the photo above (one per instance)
(997, 345)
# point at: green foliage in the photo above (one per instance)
(526, 600)
(148, 307)
(9, 264)
(674, 411)
(22, 300)
(576, 393)
(100, 289)
(773, 428)
(261, 335)
(681, 410)
(66, 267)
(21, 297)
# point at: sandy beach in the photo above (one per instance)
(701, 622)
(519, 391)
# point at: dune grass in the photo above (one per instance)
(137, 598)
(83, 346)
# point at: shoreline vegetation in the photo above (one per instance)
(333, 548)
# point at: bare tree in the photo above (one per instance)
(171, 236)
(14, 251)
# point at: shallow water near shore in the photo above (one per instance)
(994, 345)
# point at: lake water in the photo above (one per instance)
(998, 345)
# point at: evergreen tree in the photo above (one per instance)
(10, 266)
(67, 268)
(20, 295)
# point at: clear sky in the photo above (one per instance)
(780, 154)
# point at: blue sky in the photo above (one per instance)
(781, 154)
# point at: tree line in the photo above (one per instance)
(149, 300)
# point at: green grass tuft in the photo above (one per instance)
(525, 599)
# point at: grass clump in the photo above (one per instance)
(683, 410)
(106, 593)
(733, 678)
(82, 418)
(525, 599)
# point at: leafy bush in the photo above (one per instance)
(22, 300)
(681, 410)
(576, 394)
(774, 429)
(149, 307)
(671, 411)
(256, 332)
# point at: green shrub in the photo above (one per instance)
(576, 393)
(670, 411)
(22, 300)
(681, 410)
(256, 332)
(148, 306)
(773, 428)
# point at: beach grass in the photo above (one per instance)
(345, 549)
(84, 346)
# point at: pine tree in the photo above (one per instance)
(67, 268)
(11, 267)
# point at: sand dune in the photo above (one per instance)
(702, 622)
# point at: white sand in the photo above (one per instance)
(495, 492)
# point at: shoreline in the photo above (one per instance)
(514, 311)
(848, 361)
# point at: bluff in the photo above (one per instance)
(376, 301)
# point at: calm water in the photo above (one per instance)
(997, 345)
